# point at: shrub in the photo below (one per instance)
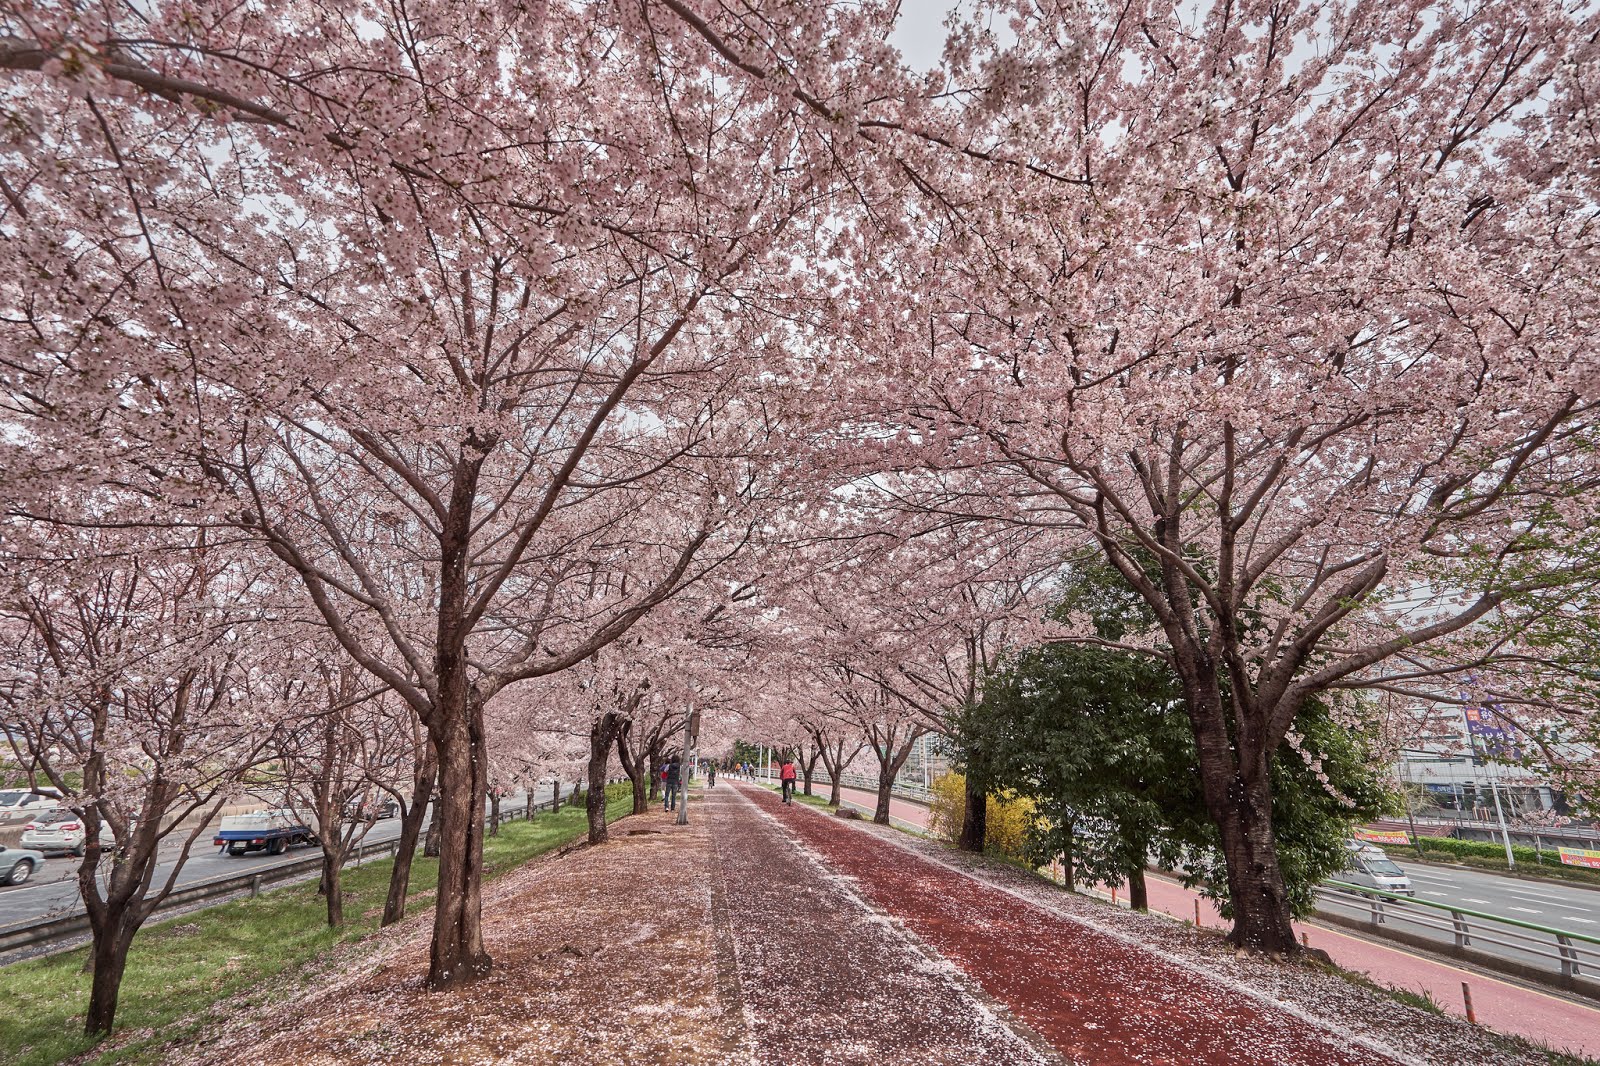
(1008, 816)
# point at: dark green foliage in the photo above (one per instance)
(1098, 737)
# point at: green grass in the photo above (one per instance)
(181, 970)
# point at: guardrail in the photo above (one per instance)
(869, 784)
(1573, 955)
(47, 930)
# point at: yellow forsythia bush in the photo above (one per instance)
(1009, 816)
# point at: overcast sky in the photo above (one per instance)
(920, 32)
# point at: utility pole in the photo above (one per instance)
(1494, 790)
(1505, 836)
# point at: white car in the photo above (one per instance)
(1369, 867)
(18, 864)
(25, 804)
(61, 830)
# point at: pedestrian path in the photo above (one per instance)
(823, 978)
(1500, 1005)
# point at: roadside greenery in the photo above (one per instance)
(1096, 738)
(183, 973)
(1491, 855)
(1007, 823)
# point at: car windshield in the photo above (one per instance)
(11, 799)
(1385, 868)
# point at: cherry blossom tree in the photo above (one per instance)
(1284, 309)
(131, 685)
(349, 743)
(458, 345)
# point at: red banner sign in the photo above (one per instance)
(1581, 857)
(1383, 836)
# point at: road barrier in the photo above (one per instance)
(66, 927)
(1567, 958)
(864, 783)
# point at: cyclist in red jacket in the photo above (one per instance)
(786, 775)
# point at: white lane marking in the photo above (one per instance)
(1469, 899)
(1430, 877)
(1535, 892)
(1557, 903)
(1585, 921)
(1524, 910)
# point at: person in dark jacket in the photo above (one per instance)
(670, 798)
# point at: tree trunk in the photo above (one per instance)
(655, 773)
(110, 953)
(1138, 891)
(332, 867)
(974, 819)
(394, 907)
(1238, 795)
(885, 784)
(555, 798)
(527, 805)
(634, 764)
(457, 956)
(430, 846)
(1261, 916)
(641, 802)
(601, 734)
(1069, 876)
(494, 812)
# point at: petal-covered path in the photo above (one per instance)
(762, 934)
(1094, 997)
(824, 979)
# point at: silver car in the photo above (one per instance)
(18, 864)
(1369, 867)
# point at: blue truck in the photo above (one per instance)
(273, 831)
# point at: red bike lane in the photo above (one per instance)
(1094, 997)
(1500, 1005)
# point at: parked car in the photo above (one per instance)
(18, 864)
(61, 830)
(25, 804)
(1369, 867)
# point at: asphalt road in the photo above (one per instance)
(53, 891)
(1558, 905)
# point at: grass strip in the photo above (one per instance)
(180, 969)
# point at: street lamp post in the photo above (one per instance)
(691, 723)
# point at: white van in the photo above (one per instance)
(25, 804)
(1368, 866)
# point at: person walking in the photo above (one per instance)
(786, 776)
(711, 775)
(672, 785)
